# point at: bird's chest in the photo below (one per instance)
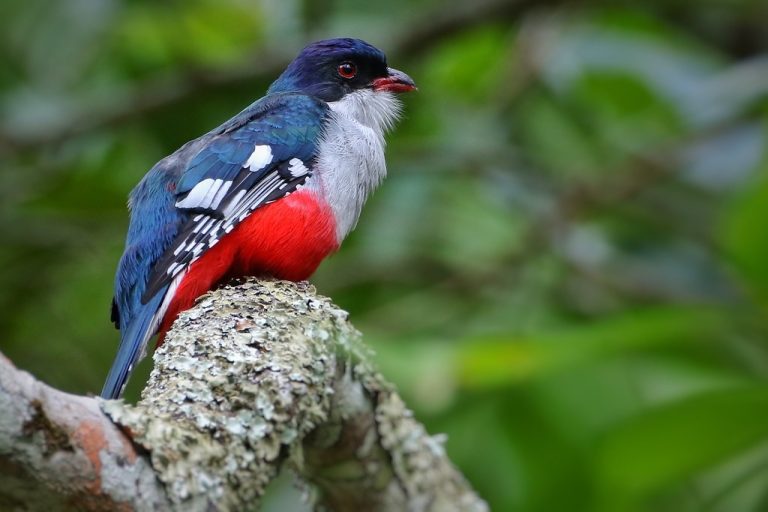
(349, 166)
(287, 239)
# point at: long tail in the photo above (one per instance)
(133, 346)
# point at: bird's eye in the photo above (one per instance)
(347, 70)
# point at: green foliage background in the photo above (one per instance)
(566, 271)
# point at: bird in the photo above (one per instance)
(270, 192)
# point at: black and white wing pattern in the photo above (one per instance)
(239, 170)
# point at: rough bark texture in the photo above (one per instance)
(59, 452)
(255, 377)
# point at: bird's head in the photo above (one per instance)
(334, 68)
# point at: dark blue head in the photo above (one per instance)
(331, 68)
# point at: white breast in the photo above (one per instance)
(350, 162)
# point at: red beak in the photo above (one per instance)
(396, 81)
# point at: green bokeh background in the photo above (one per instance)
(566, 271)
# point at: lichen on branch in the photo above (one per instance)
(265, 373)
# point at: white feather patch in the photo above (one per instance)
(196, 196)
(260, 158)
(211, 193)
(206, 194)
(220, 194)
(297, 168)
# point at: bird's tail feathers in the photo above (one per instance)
(133, 346)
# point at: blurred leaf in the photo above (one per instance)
(201, 31)
(660, 447)
(503, 360)
(624, 112)
(630, 42)
(556, 141)
(478, 230)
(744, 238)
(468, 67)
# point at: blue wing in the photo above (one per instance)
(193, 198)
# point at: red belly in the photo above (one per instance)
(286, 239)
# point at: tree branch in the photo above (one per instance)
(59, 452)
(255, 377)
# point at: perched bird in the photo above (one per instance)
(272, 191)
